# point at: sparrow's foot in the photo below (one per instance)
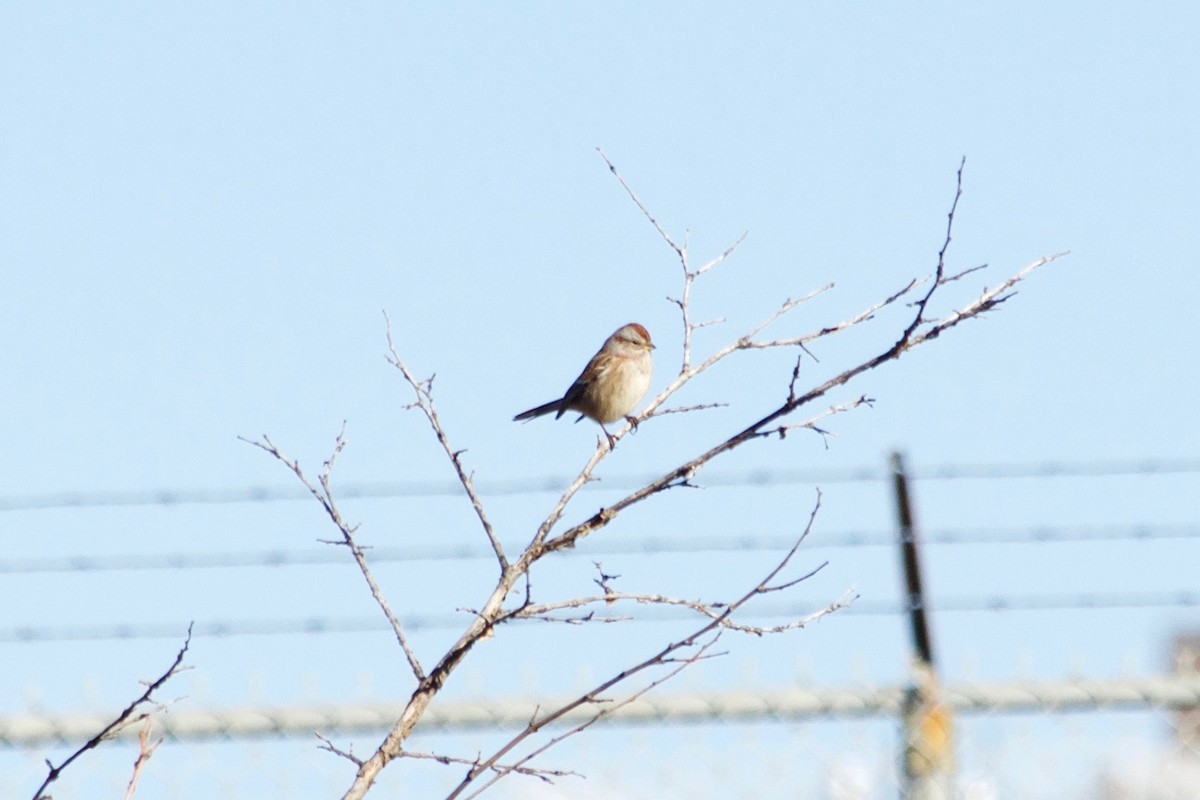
(612, 440)
(632, 420)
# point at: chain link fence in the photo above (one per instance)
(1114, 740)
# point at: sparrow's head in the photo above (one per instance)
(634, 334)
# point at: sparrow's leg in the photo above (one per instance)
(612, 440)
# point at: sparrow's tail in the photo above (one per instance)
(546, 408)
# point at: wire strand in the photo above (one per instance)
(394, 489)
(426, 622)
(650, 545)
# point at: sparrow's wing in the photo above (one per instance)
(574, 393)
(590, 373)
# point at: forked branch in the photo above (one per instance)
(676, 656)
(131, 715)
(917, 332)
(920, 327)
(423, 389)
(324, 495)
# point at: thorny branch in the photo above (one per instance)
(130, 716)
(919, 330)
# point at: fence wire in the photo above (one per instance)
(1113, 740)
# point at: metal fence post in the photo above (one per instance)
(927, 724)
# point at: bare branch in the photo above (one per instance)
(582, 479)
(424, 393)
(940, 270)
(717, 616)
(662, 412)
(582, 619)
(129, 716)
(683, 302)
(666, 655)
(545, 775)
(683, 473)
(686, 373)
(963, 274)
(867, 314)
(492, 611)
(986, 301)
(324, 495)
(610, 707)
(724, 255)
(145, 750)
(748, 342)
(714, 611)
(811, 423)
(680, 251)
(332, 748)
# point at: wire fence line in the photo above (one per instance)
(1101, 755)
(386, 489)
(829, 717)
(649, 545)
(452, 621)
(1175, 693)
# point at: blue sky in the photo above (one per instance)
(205, 209)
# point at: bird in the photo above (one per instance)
(612, 383)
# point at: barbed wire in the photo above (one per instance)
(424, 622)
(648, 545)
(393, 489)
(794, 704)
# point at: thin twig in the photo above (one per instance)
(726, 253)
(683, 302)
(424, 393)
(633, 196)
(332, 748)
(123, 720)
(145, 750)
(695, 647)
(959, 275)
(662, 412)
(715, 611)
(666, 655)
(682, 474)
(609, 707)
(686, 374)
(324, 495)
(940, 270)
(545, 775)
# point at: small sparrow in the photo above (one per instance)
(613, 382)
